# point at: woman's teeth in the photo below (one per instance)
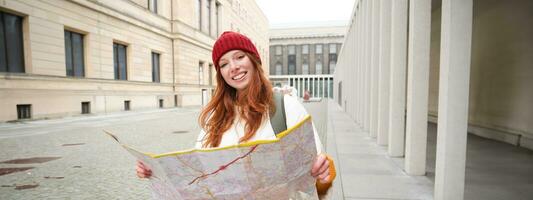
(241, 75)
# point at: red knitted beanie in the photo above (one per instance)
(232, 41)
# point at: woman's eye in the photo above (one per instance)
(240, 57)
(223, 65)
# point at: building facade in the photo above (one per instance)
(71, 57)
(305, 57)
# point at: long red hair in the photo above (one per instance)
(253, 103)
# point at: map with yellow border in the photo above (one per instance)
(262, 169)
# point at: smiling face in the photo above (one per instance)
(236, 68)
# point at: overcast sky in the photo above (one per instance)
(294, 12)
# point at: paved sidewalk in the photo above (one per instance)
(365, 171)
(71, 158)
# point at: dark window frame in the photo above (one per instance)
(120, 68)
(156, 67)
(86, 107)
(24, 111)
(11, 43)
(127, 105)
(74, 54)
(291, 63)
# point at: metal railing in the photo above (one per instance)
(319, 86)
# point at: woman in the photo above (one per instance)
(240, 107)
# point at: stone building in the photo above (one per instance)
(305, 57)
(70, 57)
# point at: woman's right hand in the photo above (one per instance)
(143, 171)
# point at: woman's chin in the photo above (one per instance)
(240, 86)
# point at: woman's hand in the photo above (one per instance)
(142, 170)
(320, 169)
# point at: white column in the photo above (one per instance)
(456, 40)
(323, 87)
(327, 86)
(317, 87)
(307, 82)
(417, 86)
(374, 68)
(366, 64)
(359, 75)
(398, 76)
(384, 73)
(296, 83)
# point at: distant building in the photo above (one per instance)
(305, 57)
(64, 57)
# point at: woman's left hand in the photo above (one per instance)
(320, 169)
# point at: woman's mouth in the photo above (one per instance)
(239, 76)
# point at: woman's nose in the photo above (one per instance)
(234, 66)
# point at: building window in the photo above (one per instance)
(74, 54)
(24, 111)
(152, 6)
(318, 67)
(201, 73)
(156, 74)
(161, 103)
(292, 59)
(278, 50)
(305, 68)
(332, 48)
(279, 69)
(318, 49)
(127, 105)
(332, 62)
(11, 43)
(85, 107)
(292, 50)
(292, 65)
(119, 61)
(199, 13)
(305, 49)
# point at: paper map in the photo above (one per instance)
(263, 169)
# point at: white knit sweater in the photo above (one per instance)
(294, 112)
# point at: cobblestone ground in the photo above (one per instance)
(90, 165)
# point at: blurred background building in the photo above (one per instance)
(305, 57)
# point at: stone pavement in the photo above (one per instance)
(365, 171)
(71, 158)
(494, 170)
(83, 162)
